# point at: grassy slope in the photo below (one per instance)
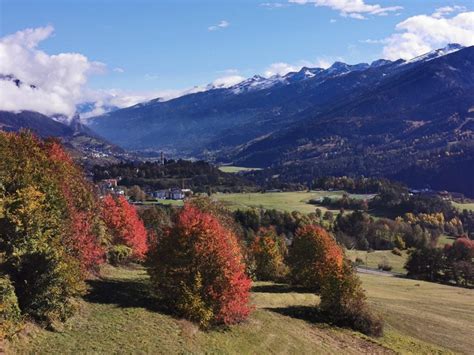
(464, 206)
(374, 258)
(235, 169)
(119, 317)
(283, 201)
(442, 315)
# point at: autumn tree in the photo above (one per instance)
(85, 232)
(312, 255)
(268, 251)
(196, 269)
(50, 236)
(136, 193)
(125, 227)
(10, 316)
(317, 262)
(459, 261)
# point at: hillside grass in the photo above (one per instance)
(235, 169)
(282, 201)
(464, 206)
(372, 259)
(120, 316)
(437, 314)
(170, 202)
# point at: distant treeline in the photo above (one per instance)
(199, 176)
(361, 185)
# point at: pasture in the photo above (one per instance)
(283, 201)
(235, 169)
(119, 316)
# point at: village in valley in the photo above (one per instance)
(111, 186)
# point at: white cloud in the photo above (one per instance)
(332, 20)
(58, 79)
(420, 34)
(221, 24)
(105, 100)
(323, 63)
(354, 15)
(280, 68)
(273, 5)
(445, 10)
(373, 41)
(351, 8)
(119, 70)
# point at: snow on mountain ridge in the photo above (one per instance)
(450, 48)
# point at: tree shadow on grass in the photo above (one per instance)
(309, 314)
(124, 293)
(280, 288)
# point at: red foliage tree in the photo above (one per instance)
(124, 225)
(83, 232)
(461, 250)
(197, 270)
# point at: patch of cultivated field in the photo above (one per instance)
(283, 201)
(372, 259)
(119, 316)
(464, 206)
(236, 169)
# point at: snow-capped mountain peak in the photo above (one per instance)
(450, 48)
(256, 82)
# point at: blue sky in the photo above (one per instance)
(159, 45)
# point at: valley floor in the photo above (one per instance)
(282, 201)
(118, 316)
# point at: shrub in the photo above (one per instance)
(119, 255)
(124, 225)
(268, 251)
(46, 285)
(384, 266)
(10, 317)
(396, 251)
(343, 302)
(359, 261)
(196, 269)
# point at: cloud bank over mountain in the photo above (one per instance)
(50, 84)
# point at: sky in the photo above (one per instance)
(120, 52)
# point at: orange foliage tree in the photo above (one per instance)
(125, 226)
(196, 268)
(313, 255)
(317, 262)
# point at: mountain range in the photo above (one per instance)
(410, 120)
